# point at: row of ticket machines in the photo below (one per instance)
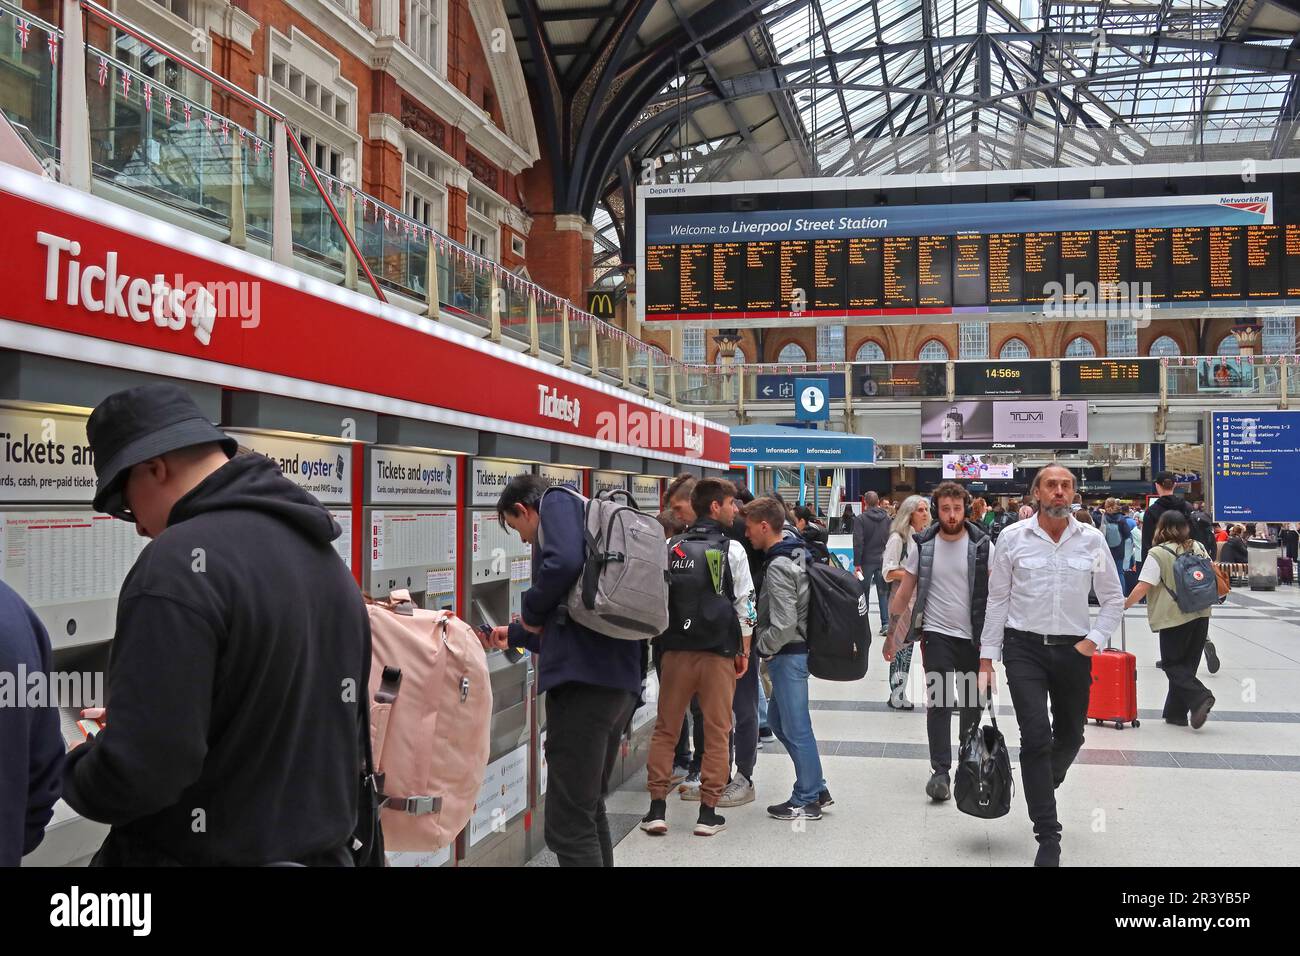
(421, 495)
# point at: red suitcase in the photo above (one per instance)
(1113, 697)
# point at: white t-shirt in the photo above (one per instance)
(947, 609)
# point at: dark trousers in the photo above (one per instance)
(744, 735)
(951, 670)
(1040, 677)
(1180, 655)
(876, 577)
(584, 728)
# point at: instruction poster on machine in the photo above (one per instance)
(503, 796)
(411, 477)
(318, 468)
(645, 491)
(44, 457)
(62, 557)
(607, 481)
(405, 539)
(343, 543)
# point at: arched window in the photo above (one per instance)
(933, 351)
(1229, 345)
(740, 357)
(792, 354)
(870, 351)
(1014, 349)
(1080, 348)
(1164, 346)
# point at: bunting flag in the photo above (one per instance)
(225, 130)
(126, 85)
(186, 110)
(148, 97)
(53, 43)
(23, 32)
(207, 121)
(167, 106)
(257, 148)
(103, 71)
(302, 174)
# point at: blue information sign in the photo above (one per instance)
(782, 387)
(812, 401)
(1255, 466)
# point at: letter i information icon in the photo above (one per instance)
(812, 400)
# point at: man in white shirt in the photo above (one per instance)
(949, 571)
(1038, 624)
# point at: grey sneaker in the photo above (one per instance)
(680, 773)
(690, 788)
(939, 787)
(739, 792)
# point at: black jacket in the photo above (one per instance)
(235, 686)
(31, 746)
(1152, 518)
(1234, 551)
(870, 532)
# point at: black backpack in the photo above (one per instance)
(700, 616)
(838, 634)
(983, 784)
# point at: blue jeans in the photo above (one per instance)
(876, 576)
(762, 706)
(790, 720)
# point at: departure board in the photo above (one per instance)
(865, 278)
(1263, 262)
(828, 274)
(1291, 260)
(1175, 236)
(762, 277)
(661, 279)
(1110, 376)
(695, 265)
(727, 290)
(1006, 258)
(1189, 262)
(934, 271)
(1041, 258)
(900, 272)
(796, 274)
(969, 271)
(1227, 262)
(1150, 263)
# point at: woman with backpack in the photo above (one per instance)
(1183, 634)
(913, 517)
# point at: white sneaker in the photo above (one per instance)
(690, 787)
(739, 792)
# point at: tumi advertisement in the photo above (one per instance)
(1004, 425)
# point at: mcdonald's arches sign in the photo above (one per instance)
(600, 303)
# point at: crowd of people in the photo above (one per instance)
(196, 736)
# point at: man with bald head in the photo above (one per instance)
(870, 533)
(1037, 622)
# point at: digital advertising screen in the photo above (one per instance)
(970, 467)
(1004, 424)
(1167, 237)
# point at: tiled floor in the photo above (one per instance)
(1155, 795)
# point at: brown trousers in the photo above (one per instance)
(683, 675)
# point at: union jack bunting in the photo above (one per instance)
(53, 44)
(103, 71)
(23, 32)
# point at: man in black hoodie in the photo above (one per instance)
(870, 532)
(1166, 502)
(31, 747)
(239, 671)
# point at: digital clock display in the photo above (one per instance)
(1003, 378)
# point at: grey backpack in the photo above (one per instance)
(623, 589)
(1196, 587)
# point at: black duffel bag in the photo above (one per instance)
(983, 785)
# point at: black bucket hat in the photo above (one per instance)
(140, 423)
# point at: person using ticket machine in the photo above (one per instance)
(239, 669)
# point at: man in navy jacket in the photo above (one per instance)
(592, 682)
(31, 746)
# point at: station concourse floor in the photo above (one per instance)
(1154, 795)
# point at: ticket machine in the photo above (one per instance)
(499, 569)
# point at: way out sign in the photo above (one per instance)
(812, 399)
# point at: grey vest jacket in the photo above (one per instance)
(977, 571)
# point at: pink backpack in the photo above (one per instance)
(430, 721)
